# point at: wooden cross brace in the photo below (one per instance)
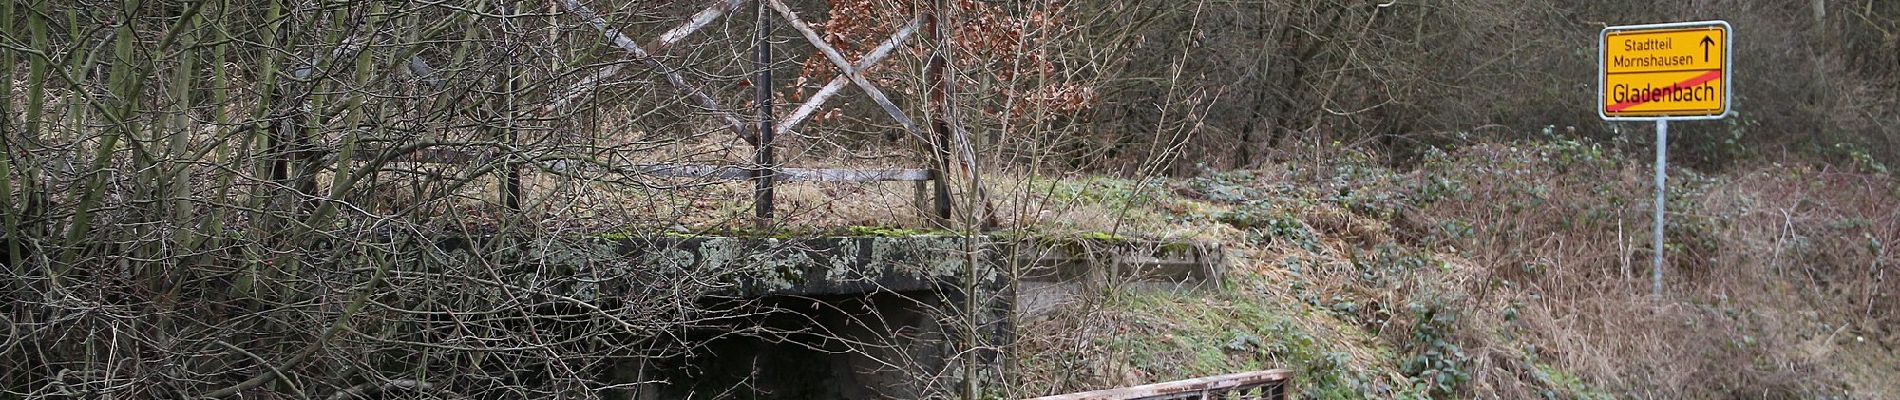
(850, 73)
(847, 70)
(673, 77)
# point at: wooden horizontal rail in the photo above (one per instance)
(740, 173)
(722, 172)
(923, 179)
(855, 175)
(787, 174)
(1271, 384)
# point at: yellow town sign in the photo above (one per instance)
(1676, 71)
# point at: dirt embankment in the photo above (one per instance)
(1505, 271)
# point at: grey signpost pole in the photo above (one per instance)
(1642, 46)
(1662, 157)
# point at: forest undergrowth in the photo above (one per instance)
(1511, 270)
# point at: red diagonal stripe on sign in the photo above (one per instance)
(1665, 92)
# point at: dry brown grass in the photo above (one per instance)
(1774, 274)
(1777, 283)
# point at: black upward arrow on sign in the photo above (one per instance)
(1706, 42)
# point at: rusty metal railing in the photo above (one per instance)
(1276, 384)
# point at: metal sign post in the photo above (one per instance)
(1663, 72)
(1662, 160)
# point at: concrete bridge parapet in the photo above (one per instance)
(871, 316)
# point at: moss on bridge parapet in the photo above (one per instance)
(960, 291)
(821, 265)
(751, 266)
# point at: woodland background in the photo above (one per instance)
(223, 197)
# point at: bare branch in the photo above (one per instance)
(673, 77)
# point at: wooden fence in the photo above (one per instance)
(948, 142)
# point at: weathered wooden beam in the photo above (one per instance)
(666, 41)
(763, 176)
(421, 69)
(845, 67)
(699, 20)
(1177, 389)
(853, 175)
(673, 77)
(837, 83)
(788, 174)
(713, 172)
(582, 88)
(940, 77)
(739, 173)
(723, 172)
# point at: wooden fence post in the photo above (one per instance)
(763, 173)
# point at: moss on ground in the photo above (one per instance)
(1236, 327)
